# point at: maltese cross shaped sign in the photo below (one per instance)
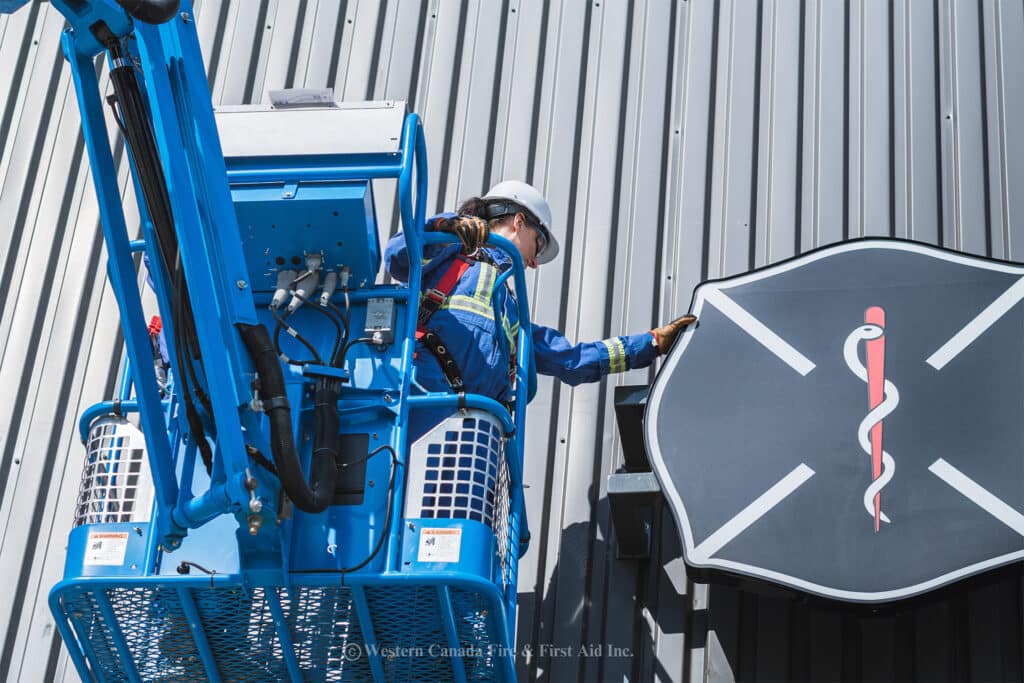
(850, 422)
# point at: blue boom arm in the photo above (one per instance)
(281, 422)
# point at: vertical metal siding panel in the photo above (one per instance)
(278, 45)
(878, 638)
(555, 174)
(775, 220)
(593, 238)
(729, 239)
(34, 323)
(916, 123)
(395, 79)
(689, 186)
(472, 131)
(673, 626)
(1008, 37)
(398, 77)
(538, 79)
(995, 126)
(325, 39)
(825, 646)
(310, 39)
(826, 62)
(696, 658)
(260, 42)
(520, 65)
(15, 175)
(725, 616)
(615, 583)
(15, 46)
(226, 80)
(19, 204)
(678, 630)
(362, 20)
(440, 95)
(78, 288)
(870, 156)
(985, 644)
(522, 88)
(966, 165)
(394, 76)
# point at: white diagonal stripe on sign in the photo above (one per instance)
(978, 495)
(753, 512)
(974, 329)
(759, 331)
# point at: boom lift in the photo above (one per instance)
(280, 424)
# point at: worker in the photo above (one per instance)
(460, 346)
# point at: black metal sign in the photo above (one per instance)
(849, 422)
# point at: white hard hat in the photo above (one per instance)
(529, 198)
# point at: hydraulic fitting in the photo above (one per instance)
(284, 279)
(330, 283)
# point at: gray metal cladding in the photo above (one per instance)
(677, 140)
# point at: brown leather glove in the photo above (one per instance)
(666, 335)
(470, 230)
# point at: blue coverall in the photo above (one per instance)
(482, 346)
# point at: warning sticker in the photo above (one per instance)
(106, 548)
(440, 545)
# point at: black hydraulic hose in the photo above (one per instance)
(142, 147)
(141, 144)
(150, 11)
(317, 494)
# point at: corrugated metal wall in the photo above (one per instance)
(677, 140)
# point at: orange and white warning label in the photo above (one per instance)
(440, 545)
(106, 548)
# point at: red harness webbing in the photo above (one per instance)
(433, 299)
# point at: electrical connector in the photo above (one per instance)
(330, 283)
(346, 273)
(305, 287)
(314, 261)
(284, 279)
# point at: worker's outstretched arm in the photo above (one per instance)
(590, 361)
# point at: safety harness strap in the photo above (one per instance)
(433, 299)
(448, 365)
(430, 303)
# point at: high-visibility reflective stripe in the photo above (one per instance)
(469, 304)
(511, 332)
(616, 354)
(485, 283)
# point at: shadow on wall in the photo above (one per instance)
(604, 619)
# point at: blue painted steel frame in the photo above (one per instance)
(121, 270)
(182, 118)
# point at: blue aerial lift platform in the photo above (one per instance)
(251, 506)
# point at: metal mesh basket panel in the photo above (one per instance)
(240, 629)
(95, 634)
(157, 633)
(406, 621)
(454, 470)
(328, 641)
(507, 554)
(327, 638)
(478, 642)
(116, 484)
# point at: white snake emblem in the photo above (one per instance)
(876, 415)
